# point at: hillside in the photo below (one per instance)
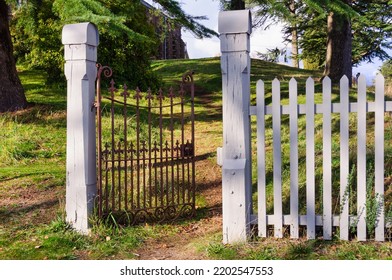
(32, 184)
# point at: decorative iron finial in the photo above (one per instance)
(188, 77)
(107, 71)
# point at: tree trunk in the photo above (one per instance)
(339, 45)
(294, 36)
(237, 5)
(12, 96)
(294, 47)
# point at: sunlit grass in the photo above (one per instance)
(32, 156)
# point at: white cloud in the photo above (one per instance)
(203, 48)
(198, 48)
(261, 40)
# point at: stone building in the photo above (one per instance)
(172, 46)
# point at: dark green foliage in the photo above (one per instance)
(283, 10)
(129, 55)
(173, 9)
(233, 5)
(36, 32)
(127, 38)
(386, 69)
(291, 13)
(109, 16)
(370, 29)
(271, 55)
(127, 41)
(370, 23)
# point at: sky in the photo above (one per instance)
(261, 40)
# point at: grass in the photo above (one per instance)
(301, 250)
(32, 187)
(56, 240)
(32, 179)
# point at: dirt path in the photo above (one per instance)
(24, 202)
(22, 205)
(183, 246)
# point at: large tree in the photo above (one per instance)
(268, 12)
(338, 39)
(338, 61)
(334, 34)
(122, 25)
(11, 91)
(370, 32)
(127, 41)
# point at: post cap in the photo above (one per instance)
(80, 33)
(239, 21)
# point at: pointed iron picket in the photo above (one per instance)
(140, 180)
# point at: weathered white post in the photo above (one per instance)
(235, 29)
(80, 48)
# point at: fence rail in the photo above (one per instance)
(327, 219)
(291, 145)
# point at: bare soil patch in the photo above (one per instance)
(28, 204)
(183, 245)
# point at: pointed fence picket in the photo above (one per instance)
(379, 156)
(327, 162)
(361, 159)
(324, 197)
(310, 161)
(344, 158)
(294, 158)
(276, 124)
(261, 183)
(327, 220)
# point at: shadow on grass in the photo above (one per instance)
(38, 94)
(7, 215)
(44, 115)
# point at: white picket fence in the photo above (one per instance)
(318, 198)
(326, 219)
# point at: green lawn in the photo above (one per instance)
(32, 178)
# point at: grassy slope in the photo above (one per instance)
(208, 96)
(32, 177)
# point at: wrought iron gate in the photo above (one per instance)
(146, 154)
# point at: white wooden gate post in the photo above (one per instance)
(80, 48)
(235, 29)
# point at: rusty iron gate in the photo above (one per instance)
(146, 152)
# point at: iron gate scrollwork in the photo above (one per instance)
(146, 152)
